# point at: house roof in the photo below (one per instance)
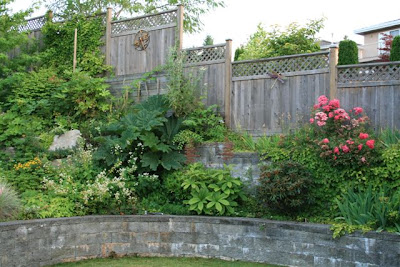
(377, 27)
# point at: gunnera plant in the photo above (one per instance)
(285, 187)
(9, 202)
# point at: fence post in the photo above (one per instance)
(333, 59)
(108, 35)
(180, 26)
(228, 82)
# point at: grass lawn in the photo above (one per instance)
(161, 262)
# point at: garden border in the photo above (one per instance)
(50, 241)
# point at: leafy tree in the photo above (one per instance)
(13, 45)
(348, 52)
(277, 42)
(395, 51)
(10, 36)
(193, 8)
(208, 41)
(385, 50)
(238, 52)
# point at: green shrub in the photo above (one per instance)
(38, 205)
(27, 175)
(146, 135)
(285, 187)
(9, 202)
(207, 123)
(395, 50)
(207, 191)
(82, 96)
(93, 191)
(184, 90)
(348, 52)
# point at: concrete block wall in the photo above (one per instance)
(50, 241)
(244, 164)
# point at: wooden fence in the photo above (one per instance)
(162, 34)
(212, 63)
(375, 87)
(271, 94)
(263, 96)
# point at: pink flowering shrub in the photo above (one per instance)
(342, 136)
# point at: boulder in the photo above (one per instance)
(67, 140)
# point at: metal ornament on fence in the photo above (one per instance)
(277, 76)
(142, 40)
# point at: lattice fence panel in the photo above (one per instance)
(144, 22)
(369, 73)
(284, 65)
(33, 24)
(205, 54)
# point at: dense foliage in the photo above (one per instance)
(284, 186)
(384, 49)
(395, 51)
(208, 40)
(277, 42)
(59, 39)
(348, 52)
(206, 191)
(131, 158)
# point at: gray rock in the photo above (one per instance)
(67, 140)
(10, 151)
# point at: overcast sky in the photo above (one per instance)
(239, 19)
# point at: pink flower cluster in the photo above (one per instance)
(331, 109)
(341, 114)
(321, 118)
(343, 128)
(346, 148)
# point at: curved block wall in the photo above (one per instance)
(49, 241)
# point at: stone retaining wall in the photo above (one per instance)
(49, 241)
(244, 164)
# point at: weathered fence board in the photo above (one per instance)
(208, 63)
(267, 101)
(379, 102)
(266, 106)
(374, 87)
(126, 59)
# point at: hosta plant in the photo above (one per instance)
(211, 191)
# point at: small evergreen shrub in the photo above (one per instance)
(348, 52)
(284, 187)
(395, 51)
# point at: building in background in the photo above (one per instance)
(372, 39)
